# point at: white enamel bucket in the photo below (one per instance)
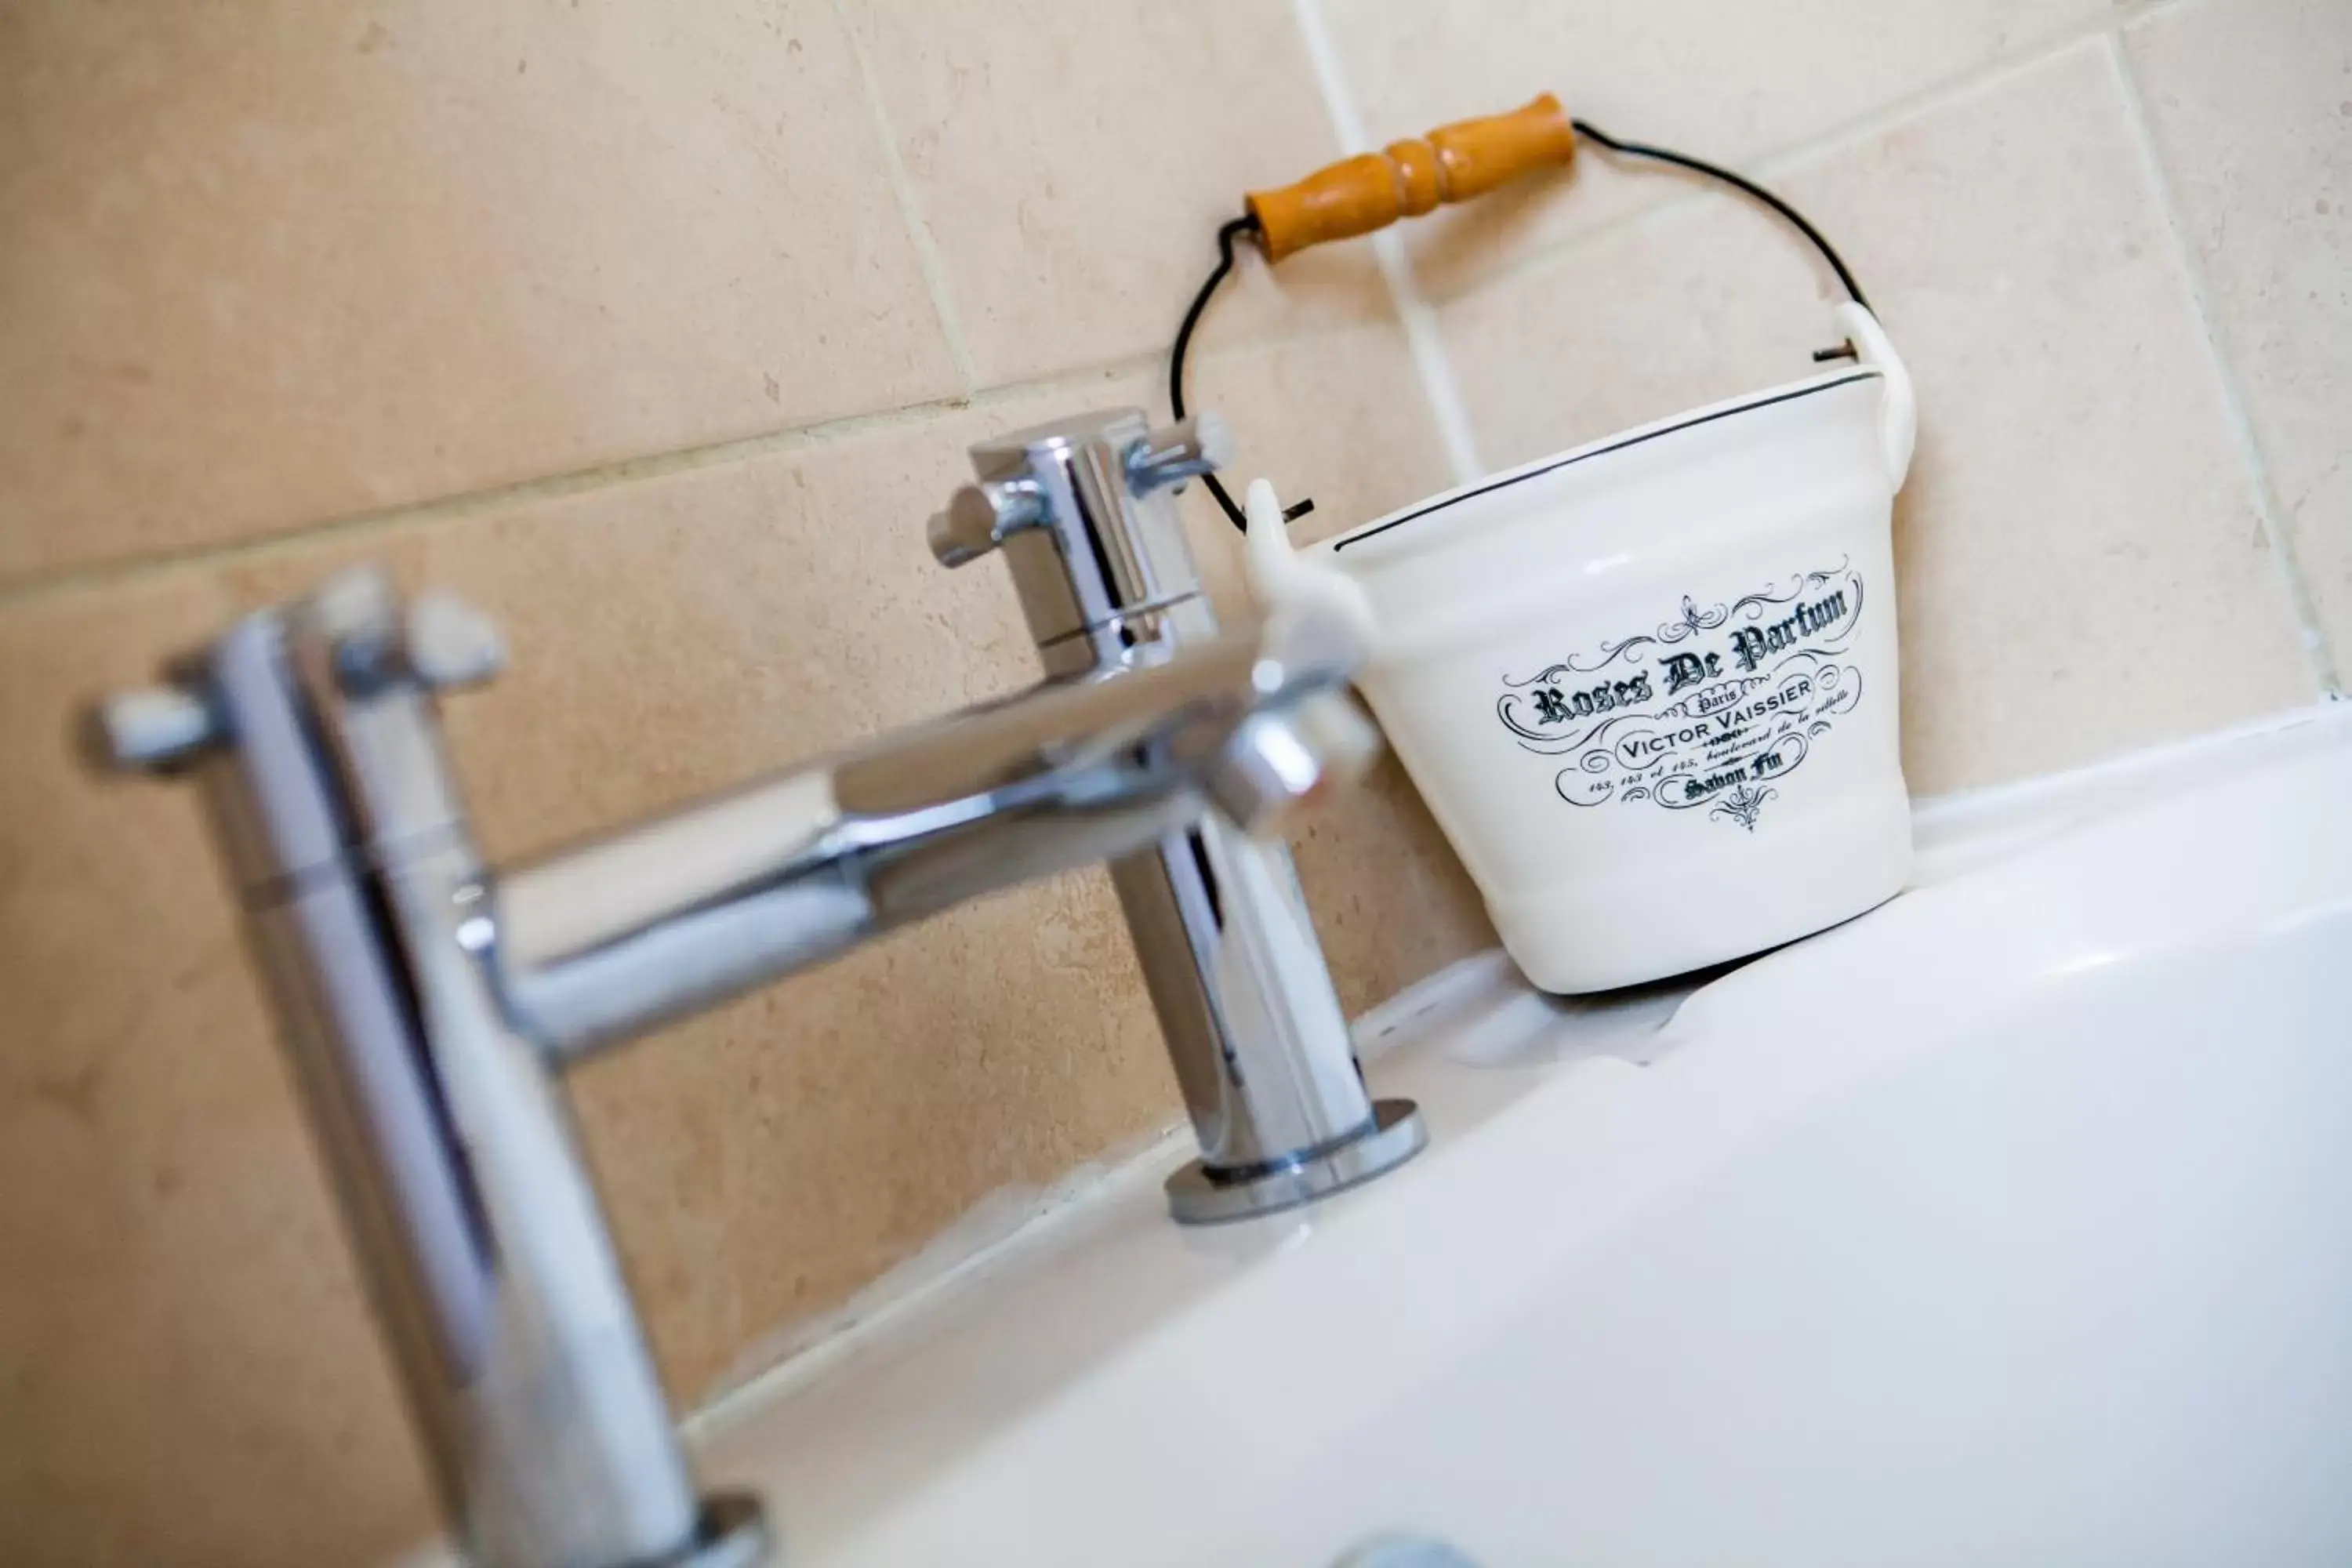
(1649, 686)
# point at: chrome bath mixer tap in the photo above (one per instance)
(430, 1002)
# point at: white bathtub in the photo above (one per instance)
(2008, 1223)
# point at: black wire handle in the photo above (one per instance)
(1226, 234)
(1235, 228)
(1592, 132)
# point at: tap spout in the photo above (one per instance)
(599, 942)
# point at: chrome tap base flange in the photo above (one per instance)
(729, 1532)
(1395, 1135)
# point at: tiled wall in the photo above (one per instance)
(658, 329)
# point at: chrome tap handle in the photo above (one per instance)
(1199, 443)
(444, 644)
(978, 517)
(449, 645)
(155, 728)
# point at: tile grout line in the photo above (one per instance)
(466, 504)
(1422, 337)
(2094, 781)
(928, 259)
(2267, 510)
(381, 521)
(1770, 164)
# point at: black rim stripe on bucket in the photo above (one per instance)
(1603, 452)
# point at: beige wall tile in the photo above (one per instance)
(1678, 308)
(2083, 567)
(1390, 900)
(2252, 107)
(1072, 159)
(1730, 83)
(271, 263)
